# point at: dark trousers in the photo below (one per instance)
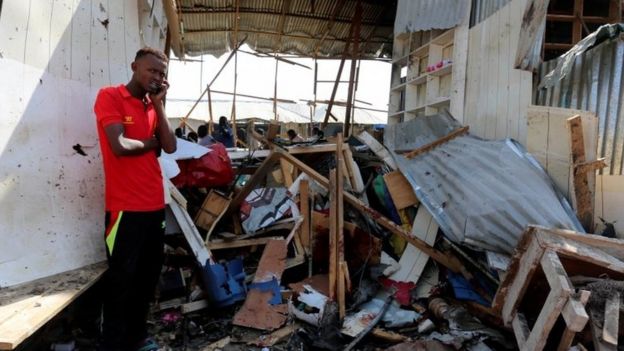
(134, 247)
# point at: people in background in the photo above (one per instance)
(192, 137)
(132, 128)
(223, 133)
(293, 136)
(179, 133)
(203, 138)
(317, 133)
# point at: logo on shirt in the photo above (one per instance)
(128, 120)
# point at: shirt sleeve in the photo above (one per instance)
(107, 108)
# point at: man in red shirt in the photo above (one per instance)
(132, 128)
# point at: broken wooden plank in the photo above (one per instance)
(438, 142)
(232, 244)
(27, 307)
(333, 236)
(254, 181)
(340, 291)
(287, 173)
(272, 262)
(217, 345)
(521, 329)
(194, 306)
(582, 193)
(599, 343)
(211, 211)
(377, 148)
(446, 259)
(568, 335)
(531, 35)
(257, 313)
(309, 149)
(304, 207)
(400, 190)
(610, 329)
(275, 337)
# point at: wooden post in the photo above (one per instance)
(354, 57)
(304, 204)
(234, 99)
(211, 123)
(582, 193)
(340, 228)
(275, 90)
(333, 253)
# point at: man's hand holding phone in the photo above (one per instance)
(158, 92)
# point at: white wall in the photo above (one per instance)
(54, 56)
(497, 95)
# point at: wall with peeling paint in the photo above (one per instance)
(54, 57)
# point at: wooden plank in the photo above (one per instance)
(217, 345)
(255, 180)
(309, 149)
(211, 211)
(568, 335)
(515, 292)
(545, 320)
(445, 259)
(304, 206)
(460, 61)
(37, 52)
(574, 312)
(521, 329)
(287, 173)
(490, 80)
(504, 68)
(231, 244)
(400, 190)
(582, 193)
(27, 307)
(599, 343)
(194, 306)
(333, 253)
(413, 260)
(438, 142)
(610, 331)
(377, 149)
(341, 295)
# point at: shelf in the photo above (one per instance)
(440, 101)
(416, 110)
(421, 51)
(442, 71)
(394, 114)
(418, 80)
(399, 87)
(402, 61)
(444, 38)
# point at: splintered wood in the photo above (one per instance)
(544, 248)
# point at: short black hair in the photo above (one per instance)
(202, 131)
(291, 133)
(151, 51)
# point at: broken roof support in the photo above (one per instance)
(354, 55)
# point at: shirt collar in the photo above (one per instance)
(125, 93)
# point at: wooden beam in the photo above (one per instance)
(446, 259)
(232, 244)
(338, 5)
(251, 184)
(610, 331)
(568, 335)
(190, 33)
(582, 193)
(436, 143)
(254, 97)
(333, 251)
(304, 207)
(355, 53)
(342, 302)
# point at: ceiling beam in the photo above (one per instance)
(344, 40)
(280, 26)
(337, 8)
(367, 22)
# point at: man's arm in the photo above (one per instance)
(164, 131)
(123, 146)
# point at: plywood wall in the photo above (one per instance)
(497, 95)
(54, 56)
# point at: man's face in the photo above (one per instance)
(149, 72)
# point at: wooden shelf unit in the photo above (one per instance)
(416, 90)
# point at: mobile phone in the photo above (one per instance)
(155, 88)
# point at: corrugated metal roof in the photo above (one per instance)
(482, 9)
(594, 83)
(208, 26)
(482, 193)
(418, 15)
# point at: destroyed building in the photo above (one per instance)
(486, 214)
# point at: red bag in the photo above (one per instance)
(211, 170)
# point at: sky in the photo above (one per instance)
(256, 77)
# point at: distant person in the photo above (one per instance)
(317, 133)
(192, 137)
(179, 133)
(294, 137)
(223, 133)
(203, 138)
(133, 127)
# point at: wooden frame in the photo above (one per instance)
(542, 247)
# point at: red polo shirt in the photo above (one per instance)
(133, 183)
